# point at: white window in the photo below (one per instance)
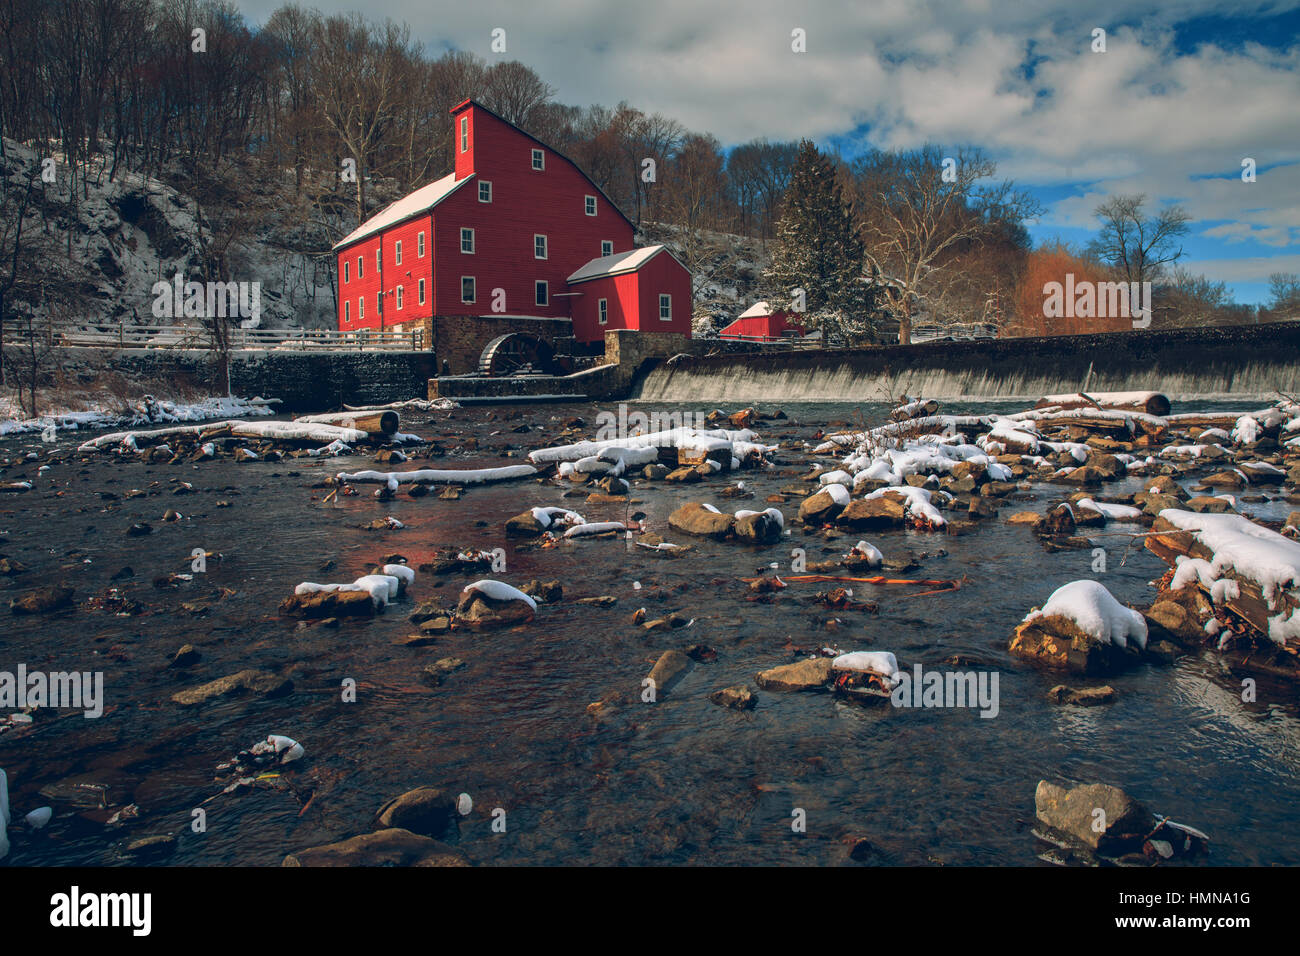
(467, 288)
(539, 247)
(484, 191)
(541, 293)
(590, 204)
(603, 306)
(347, 271)
(397, 252)
(419, 245)
(399, 298)
(464, 134)
(607, 247)
(347, 311)
(666, 308)
(361, 267)
(539, 159)
(467, 241)
(361, 309)
(420, 290)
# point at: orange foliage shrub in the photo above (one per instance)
(1052, 264)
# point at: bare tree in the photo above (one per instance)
(918, 210)
(1137, 245)
(514, 92)
(358, 74)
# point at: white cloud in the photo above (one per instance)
(1140, 117)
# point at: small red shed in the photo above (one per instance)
(761, 323)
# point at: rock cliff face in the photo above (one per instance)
(116, 237)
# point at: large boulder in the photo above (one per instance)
(1101, 817)
(873, 514)
(424, 810)
(1058, 521)
(251, 681)
(478, 610)
(694, 518)
(759, 528)
(392, 847)
(42, 600)
(526, 525)
(668, 670)
(335, 603)
(809, 674)
(819, 509)
(1057, 641)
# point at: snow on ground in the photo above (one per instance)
(147, 411)
(1096, 612)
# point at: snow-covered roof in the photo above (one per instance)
(618, 263)
(422, 200)
(755, 311)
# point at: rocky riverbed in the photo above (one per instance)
(528, 736)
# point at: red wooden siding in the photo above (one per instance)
(762, 326)
(634, 300)
(525, 203)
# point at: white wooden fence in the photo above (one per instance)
(123, 336)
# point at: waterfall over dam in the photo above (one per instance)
(1240, 362)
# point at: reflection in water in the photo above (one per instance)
(680, 781)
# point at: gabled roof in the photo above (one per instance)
(420, 201)
(620, 263)
(523, 132)
(756, 311)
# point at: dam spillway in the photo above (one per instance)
(1237, 362)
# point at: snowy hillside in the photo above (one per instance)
(114, 238)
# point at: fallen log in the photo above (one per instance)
(374, 423)
(1151, 403)
(307, 432)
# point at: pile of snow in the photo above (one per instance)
(437, 476)
(839, 494)
(773, 513)
(558, 518)
(881, 663)
(1188, 451)
(1246, 431)
(382, 588)
(1243, 547)
(868, 551)
(1111, 511)
(499, 591)
(595, 527)
(1095, 612)
(918, 503)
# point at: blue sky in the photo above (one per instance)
(1182, 94)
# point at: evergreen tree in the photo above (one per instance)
(817, 250)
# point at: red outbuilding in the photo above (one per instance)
(646, 290)
(760, 323)
(517, 230)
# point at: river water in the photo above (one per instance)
(680, 781)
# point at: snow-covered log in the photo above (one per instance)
(438, 476)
